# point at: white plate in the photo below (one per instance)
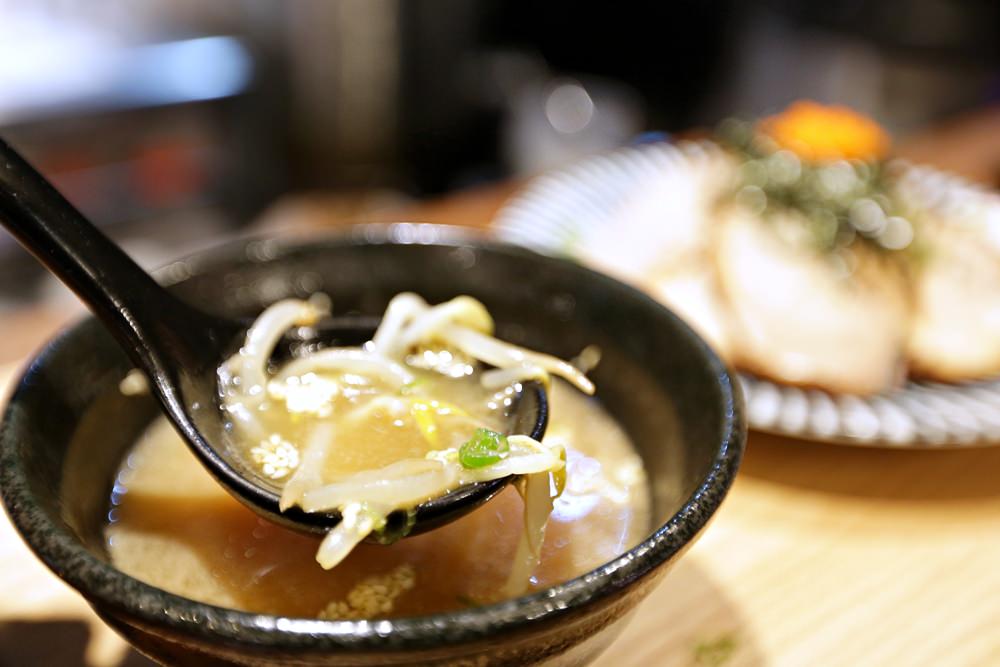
(566, 212)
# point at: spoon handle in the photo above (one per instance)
(116, 289)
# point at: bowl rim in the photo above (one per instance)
(107, 588)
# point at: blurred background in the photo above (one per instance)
(174, 122)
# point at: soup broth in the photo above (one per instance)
(172, 526)
(370, 425)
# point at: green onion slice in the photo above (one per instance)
(484, 448)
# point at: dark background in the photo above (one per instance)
(171, 121)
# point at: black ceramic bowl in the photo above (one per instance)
(67, 427)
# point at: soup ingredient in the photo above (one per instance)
(485, 448)
(335, 400)
(173, 527)
(373, 596)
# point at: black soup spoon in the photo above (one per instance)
(180, 349)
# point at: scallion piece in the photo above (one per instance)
(484, 448)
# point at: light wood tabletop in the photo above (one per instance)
(821, 555)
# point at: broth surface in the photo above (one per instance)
(375, 425)
(174, 527)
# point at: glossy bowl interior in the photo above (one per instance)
(67, 428)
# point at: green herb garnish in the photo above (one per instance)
(839, 202)
(484, 448)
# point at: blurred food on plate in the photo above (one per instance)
(805, 253)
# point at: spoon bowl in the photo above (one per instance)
(180, 349)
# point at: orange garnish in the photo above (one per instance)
(818, 133)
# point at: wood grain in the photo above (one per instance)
(828, 555)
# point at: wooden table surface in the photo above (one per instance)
(821, 555)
